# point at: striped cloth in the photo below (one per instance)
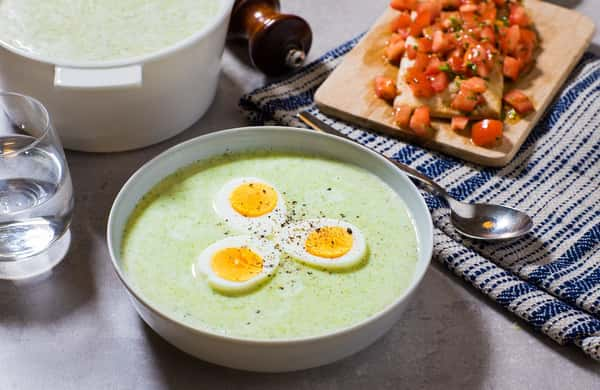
(550, 279)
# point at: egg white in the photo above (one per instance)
(262, 225)
(263, 248)
(292, 239)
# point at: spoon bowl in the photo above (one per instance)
(489, 221)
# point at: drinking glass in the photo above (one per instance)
(36, 194)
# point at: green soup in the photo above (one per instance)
(176, 221)
(100, 30)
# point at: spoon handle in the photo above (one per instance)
(430, 185)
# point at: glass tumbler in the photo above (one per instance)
(36, 194)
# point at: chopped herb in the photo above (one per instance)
(512, 114)
(456, 23)
(444, 67)
(505, 21)
(472, 66)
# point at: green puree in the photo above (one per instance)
(175, 221)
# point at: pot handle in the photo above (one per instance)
(98, 78)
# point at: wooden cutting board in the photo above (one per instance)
(348, 92)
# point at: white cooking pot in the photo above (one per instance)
(125, 104)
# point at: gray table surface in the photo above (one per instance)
(77, 330)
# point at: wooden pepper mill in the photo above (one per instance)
(277, 42)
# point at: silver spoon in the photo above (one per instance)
(479, 221)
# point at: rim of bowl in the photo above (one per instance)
(225, 10)
(418, 276)
(44, 131)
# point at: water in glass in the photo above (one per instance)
(36, 195)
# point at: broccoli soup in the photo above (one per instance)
(100, 30)
(270, 246)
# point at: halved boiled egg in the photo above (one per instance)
(325, 243)
(237, 264)
(250, 205)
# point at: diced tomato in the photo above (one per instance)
(519, 101)
(419, 83)
(510, 39)
(411, 52)
(422, 20)
(385, 88)
(433, 67)
(528, 37)
(459, 123)
(511, 67)
(475, 54)
(434, 7)
(474, 84)
(470, 20)
(526, 46)
(400, 22)
(404, 5)
(518, 16)
(467, 8)
(402, 115)
(441, 42)
(421, 61)
(488, 33)
(488, 12)
(424, 45)
(465, 101)
(439, 82)
(486, 132)
(456, 61)
(420, 121)
(395, 50)
(479, 57)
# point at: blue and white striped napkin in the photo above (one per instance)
(550, 279)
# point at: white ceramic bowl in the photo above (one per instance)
(126, 104)
(269, 355)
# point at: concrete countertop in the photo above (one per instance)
(77, 329)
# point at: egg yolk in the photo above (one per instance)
(329, 242)
(253, 199)
(236, 264)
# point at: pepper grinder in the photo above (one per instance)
(277, 42)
